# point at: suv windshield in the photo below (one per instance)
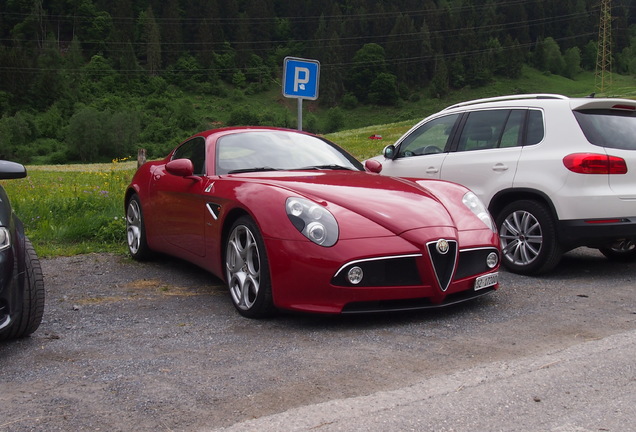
(609, 128)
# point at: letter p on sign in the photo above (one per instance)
(299, 83)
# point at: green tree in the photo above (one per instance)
(440, 84)
(16, 135)
(151, 40)
(123, 129)
(170, 29)
(384, 89)
(50, 82)
(511, 59)
(368, 62)
(572, 60)
(552, 58)
(335, 120)
(86, 134)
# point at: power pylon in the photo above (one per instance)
(603, 75)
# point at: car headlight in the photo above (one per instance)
(475, 205)
(5, 238)
(313, 221)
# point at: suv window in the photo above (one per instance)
(483, 130)
(195, 151)
(535, 131)
(499, 129)
(431, 137)
(609, 128)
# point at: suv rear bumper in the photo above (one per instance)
(596, 232)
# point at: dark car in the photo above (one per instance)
(21, 281)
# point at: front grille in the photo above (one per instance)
(443, 260)
(386, 271)
(473, 262)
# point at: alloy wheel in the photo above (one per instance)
(521, 237)
(243, 265)
(133, 226)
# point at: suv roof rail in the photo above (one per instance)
(509, 97)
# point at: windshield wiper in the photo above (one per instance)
(326, 167)
(253, 169)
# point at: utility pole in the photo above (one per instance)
(603, 75)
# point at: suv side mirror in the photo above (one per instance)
(389, 151)
(11, 170)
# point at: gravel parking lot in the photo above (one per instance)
(158, 346)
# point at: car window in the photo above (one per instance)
(194, 150)
(483, 130)
(535, 130)
(609, 128)
(511, 136)
(429, 138)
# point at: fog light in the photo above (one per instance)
(355, 275)
(492, 260)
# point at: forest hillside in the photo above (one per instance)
(93, 80)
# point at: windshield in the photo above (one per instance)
(279, 150)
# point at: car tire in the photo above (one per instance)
(136, 230)
(528, 235)
(247, 270)
(622, 251)
(32, 309)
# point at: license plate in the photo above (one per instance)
(486, 280)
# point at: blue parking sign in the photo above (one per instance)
(300, 78)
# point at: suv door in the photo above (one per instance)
(485, 154)
(421, 152)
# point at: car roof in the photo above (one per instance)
(589, 102)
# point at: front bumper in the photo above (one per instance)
(398, 276)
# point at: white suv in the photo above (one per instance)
(556, 173)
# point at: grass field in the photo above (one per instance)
(73, 209)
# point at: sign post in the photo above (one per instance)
(300, 81)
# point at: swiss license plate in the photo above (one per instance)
(486, 280)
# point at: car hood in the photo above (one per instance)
(396, 204)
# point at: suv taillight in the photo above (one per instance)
(592, 163)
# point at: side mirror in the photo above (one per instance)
(373, 166)
(389, 151)
(11, 170)
(181, 168)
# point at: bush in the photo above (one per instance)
(335, 120)
(349, 101)
(243, 117)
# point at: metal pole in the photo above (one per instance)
(300, 114)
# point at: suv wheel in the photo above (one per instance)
(528, 237)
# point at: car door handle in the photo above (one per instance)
(432, 170)
(500, 167)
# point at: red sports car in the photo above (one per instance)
(291, 221)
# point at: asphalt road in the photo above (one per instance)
(158, 346)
